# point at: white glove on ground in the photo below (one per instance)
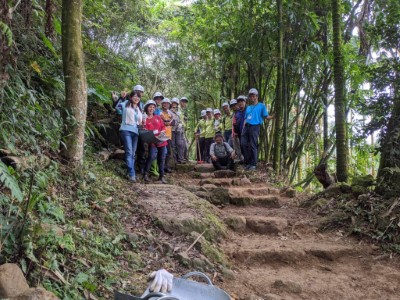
(161, 281)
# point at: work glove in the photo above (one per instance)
(161, 281)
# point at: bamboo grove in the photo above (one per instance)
(327, 69)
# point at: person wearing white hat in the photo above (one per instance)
(200, 133)
(167, 117)
(209, 135)
(158, 97)
(178, 138)
(158, 150)
(185, 119)
(217, 121)
(255, 114)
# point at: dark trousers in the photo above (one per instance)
(227, 137)
(169, 155)
(141, 155)
(249, 143)
(159, 153)
(222, 162)
(207, 147)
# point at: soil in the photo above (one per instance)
(293, 260)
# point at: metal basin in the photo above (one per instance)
(184, 289)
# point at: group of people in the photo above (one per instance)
(165, 118)
(219, 138)
(235, 134)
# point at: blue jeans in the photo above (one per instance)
(130, 140)
(227, 137)
(249, 143)
(156, 152)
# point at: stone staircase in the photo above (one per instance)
(277, 252)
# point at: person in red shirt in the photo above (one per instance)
(158, 150)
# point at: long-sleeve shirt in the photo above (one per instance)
(131, 117)
(227, 122)
(238, 121)
(201, 128)
(210, 132)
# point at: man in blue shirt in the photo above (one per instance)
(256, 112)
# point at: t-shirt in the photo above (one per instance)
(220, 150)
(156, 125)
(201, 128)
(210, 132)
(227, 121)
(167, 116)
(238, 121)
(255, 114)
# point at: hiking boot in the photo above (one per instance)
(132, 179)
(167, 170)
(146, 178)
(162, 180)
(252, 168)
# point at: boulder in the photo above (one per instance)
(287, 286)
(12, 281)
(290, 193)
(219, 195)
(242, 181)
(204, 168)
(266, 225)
(237, 223)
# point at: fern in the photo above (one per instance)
(7, 33)
(9, 182)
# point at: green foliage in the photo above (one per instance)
(9, 182)
(6, 31)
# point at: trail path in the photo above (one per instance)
(277, 252)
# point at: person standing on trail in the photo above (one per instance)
(158, 150)
(200, 133)
(185, 121)
(178, 138)
(255, 114)
(227, 123)
(167, 117)
(139, 89)
(209, 135)
(158, 97)
(129, 132)
(239, 108)
(217, 121)
(222, 154)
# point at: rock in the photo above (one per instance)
(132, 237)
(85, 223)
(204, 168)
(203, 195)
(237, 223)
(266, 225)
(184, 168)
(242, 181)
(227, 273)
(224, 174)
(270, 296)
(183, 259)
(12, 281)
(47, 228)
(211, 251)
(208, 187)
(364, 181)
(104, 154)
(191, 188)
(118, 154)
(36, 294)
(287, 286)
(219, 195)
(290, 193)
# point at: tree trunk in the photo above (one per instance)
(340, 112)
(279, 93)
(75, 83)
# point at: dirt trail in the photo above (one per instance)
(278, 253)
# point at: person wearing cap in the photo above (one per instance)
(217, 121)
(159, 150)
(221, 153)
(129, 131)
(227, 123)
(140, 89)
(158, 97)
(200, 133)
(178, 138)
(184, 112)
(255, 114)
(209, 134)
(167, 117)
(237, 126)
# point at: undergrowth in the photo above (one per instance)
(77, 235)
(368, 215)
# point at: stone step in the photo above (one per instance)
(253, 191)
(264, 201)
(257, 224)
(204, 168)
(258, 250)
(226, 182)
